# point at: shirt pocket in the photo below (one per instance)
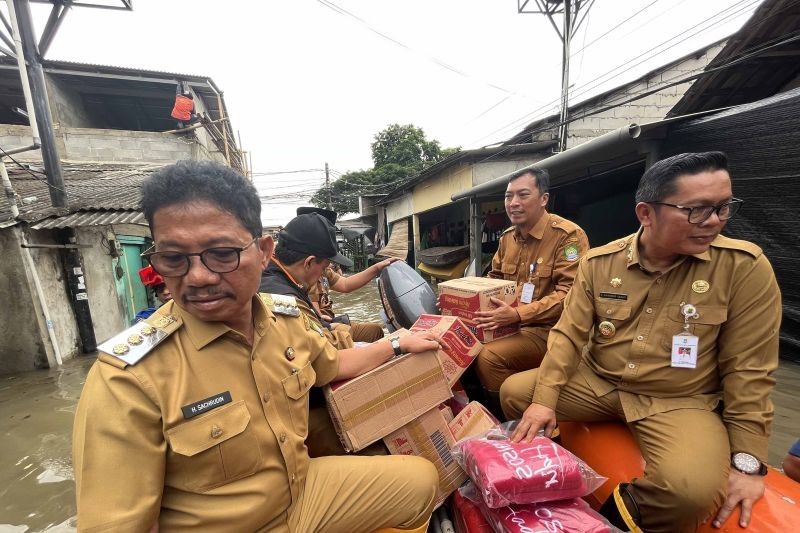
(296, 387)
(214, 449)
(612, 312)
(509, 271)
(706, 326)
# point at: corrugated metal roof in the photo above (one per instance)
(90, 187)
(92, 218)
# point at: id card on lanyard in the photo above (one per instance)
(526, 296)
(685, 346)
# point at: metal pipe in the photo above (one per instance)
(38, 85)
(23, 72)
(9, 190)
(21, 149)
(42, 303)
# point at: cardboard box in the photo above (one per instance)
(461, 346)
(464, 297)
(369, 407)
(473, 420)
(429, 436)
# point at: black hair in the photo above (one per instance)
(540, 175)
(290, 257)
(190, 181)
(658, 181)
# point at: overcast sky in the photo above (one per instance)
(311, 81)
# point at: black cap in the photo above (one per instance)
(327, 213)
(313, 234)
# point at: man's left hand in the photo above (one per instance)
(503, 315)
(742, 489)
(383, 264)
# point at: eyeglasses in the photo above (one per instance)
(219, 260)
(702, 213)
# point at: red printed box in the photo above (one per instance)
(464, 297)
(461, 346)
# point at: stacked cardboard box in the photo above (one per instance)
(460, 345)
(431, 436)
(369, 407)
(465, 297)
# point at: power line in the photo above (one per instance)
(594, 83)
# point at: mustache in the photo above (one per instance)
(204, 292)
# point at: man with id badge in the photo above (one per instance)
(540, 252)
(673, 330)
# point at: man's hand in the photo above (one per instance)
(503, 315)
(742, 489)
(383, 264)
(420, 341)
(534, 418)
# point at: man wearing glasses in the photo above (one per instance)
(195, 419)
(673, 330)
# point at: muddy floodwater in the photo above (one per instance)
(37, 490)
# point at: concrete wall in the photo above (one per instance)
(489, 170)
(24, 341)
(437, 190)
(108, 315)
(399, 208)
(123, 146)
(66, 105)
(14, 136)
(651, 108)
(22, 347)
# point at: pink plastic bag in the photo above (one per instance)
(568, 516)
(506, 473)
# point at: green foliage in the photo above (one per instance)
(399, 152)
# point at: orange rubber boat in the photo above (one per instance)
(612, 451)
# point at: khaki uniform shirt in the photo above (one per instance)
(555, 246)
(320, 291)
(139, 459)
(738, 303)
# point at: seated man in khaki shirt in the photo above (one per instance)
(673, 330)
(195, 419)
(540, 250)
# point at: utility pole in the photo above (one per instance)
(52, 164)
(574, 13)
(328, 186)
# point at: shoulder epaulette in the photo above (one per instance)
(737, 244)
(510, 228)
(619, 245)
(563, 224)
(281, 304)
(133, 344)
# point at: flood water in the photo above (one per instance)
(36, 409)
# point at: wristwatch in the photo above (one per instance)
(748, 464)
(395, 341)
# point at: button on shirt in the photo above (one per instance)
(737, 323)
(139, 460)
(555, 245)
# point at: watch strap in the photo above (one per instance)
(395, 342)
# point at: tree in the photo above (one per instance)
(399, 152)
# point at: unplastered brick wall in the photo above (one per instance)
(86, 144)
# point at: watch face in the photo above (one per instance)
(744, 462)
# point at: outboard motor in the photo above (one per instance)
(405, 296)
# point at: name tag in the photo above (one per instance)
(203, 406)
(527, 293)
(613, 296)
(684, 351)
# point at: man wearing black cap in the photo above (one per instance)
(305, 248)
(319, 292)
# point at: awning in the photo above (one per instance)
(398, 241)
(607, 152)
(92, 218)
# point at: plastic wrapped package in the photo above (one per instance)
(568, 516)
(506, 472)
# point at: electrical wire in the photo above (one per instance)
(595, 82)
